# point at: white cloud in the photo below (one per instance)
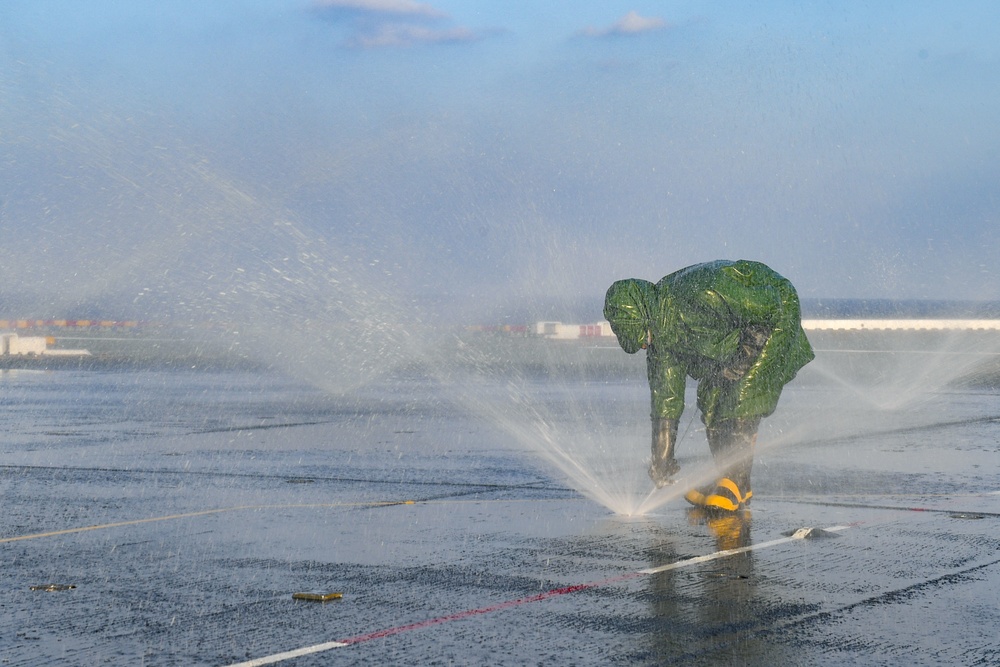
(633, 23)
(402, 7)
(375, 24)
(630, 24)
(404, 35)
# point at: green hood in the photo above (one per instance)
(627, 309)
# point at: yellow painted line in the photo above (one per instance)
(239, 508)
(468, 501)
(388, 503)
(189, 515)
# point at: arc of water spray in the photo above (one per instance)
(528, 425)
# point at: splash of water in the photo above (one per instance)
(229, 264)
(591, 431)
(858, 386)
(225, 265)
(893, 370)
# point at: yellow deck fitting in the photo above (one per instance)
(52, 587)
(317, 596)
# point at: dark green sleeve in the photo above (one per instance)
(667, 379)
(785, 352)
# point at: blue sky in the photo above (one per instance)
(488, 152)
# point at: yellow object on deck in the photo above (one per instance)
(317, 596)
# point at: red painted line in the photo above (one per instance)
(555, 592)
(468, 613)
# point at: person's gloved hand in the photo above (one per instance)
(663, 466)
(737, 369)
(752, 341)
(660, 471)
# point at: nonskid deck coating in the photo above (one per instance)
(242, 524)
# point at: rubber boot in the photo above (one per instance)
(697, 496)
(732, 444)
(663, 466)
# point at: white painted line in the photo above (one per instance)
(800, 534)
(288, 655)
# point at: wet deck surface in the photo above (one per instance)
(185, 541)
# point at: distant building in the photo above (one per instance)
(14, 345)
(560, 331)
(38, 324)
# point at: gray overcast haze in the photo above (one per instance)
(164, 155)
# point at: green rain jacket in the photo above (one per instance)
(733, 326)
